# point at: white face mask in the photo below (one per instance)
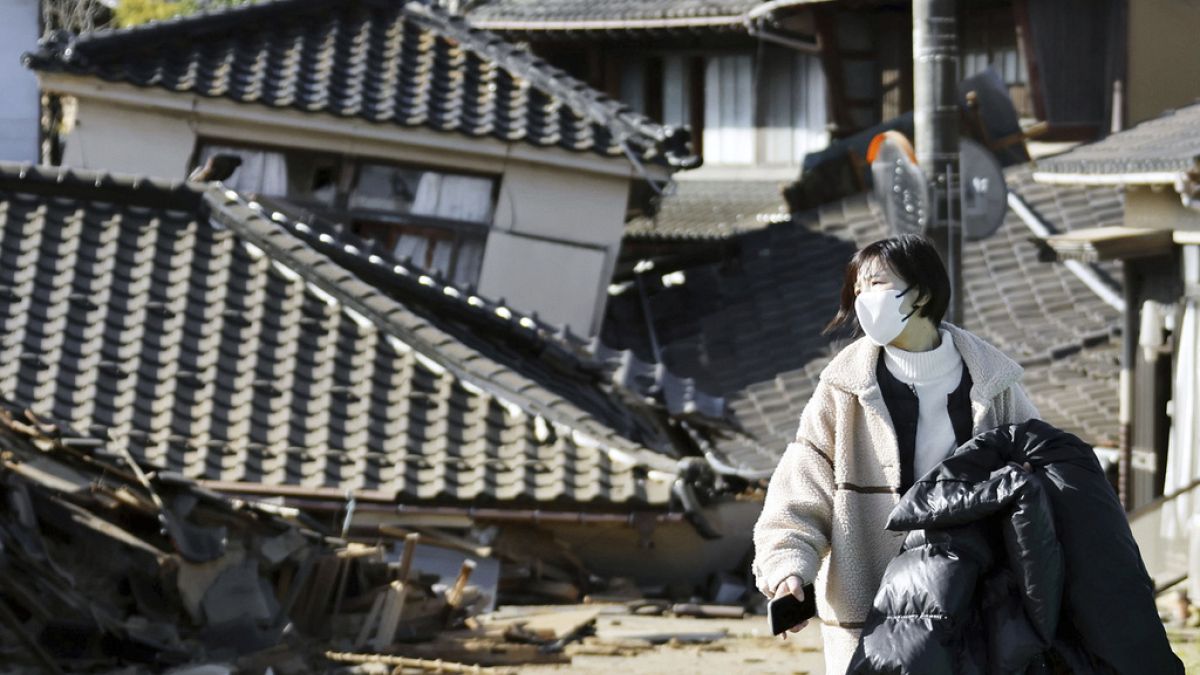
(879, 314)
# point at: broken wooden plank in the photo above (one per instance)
(704, 611)
(364, 633)
(433, 665)
(454, 597)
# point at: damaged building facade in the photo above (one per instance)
(329, 329)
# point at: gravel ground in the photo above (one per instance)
(747, 647)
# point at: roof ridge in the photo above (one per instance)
(650, 140)
(583, 99)
(143, 189)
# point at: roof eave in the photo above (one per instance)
(1108, 179)
(734, 21)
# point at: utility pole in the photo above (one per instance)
(936, 117)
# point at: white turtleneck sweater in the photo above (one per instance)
(933, 375)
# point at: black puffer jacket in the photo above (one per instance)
(1005, 571)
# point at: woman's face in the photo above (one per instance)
(875, 275)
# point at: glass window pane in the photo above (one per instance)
(441, 255)
(470, 258)
(411, 247)
(262, 172)
(794, 115)
(729, 110)
(385, 188)
(312, 177)
(466, 198)
(633, 83)
(677, 94)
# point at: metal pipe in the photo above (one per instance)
(1128, 356)
(1084, 272)
(935, 122)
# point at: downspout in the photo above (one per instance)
(1084, 272)
(1128, 355)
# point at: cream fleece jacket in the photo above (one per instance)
(828, 501)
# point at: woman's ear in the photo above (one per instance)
(921, 300)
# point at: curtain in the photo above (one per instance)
(262, 172)
(677, 90)
(467, 198)
(412, 246)
(1183, 462)
(470, 256)
(794, 106)
(729, 109)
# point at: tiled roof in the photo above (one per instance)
(1169, 144)
(749, 327)
(707, 209)
(402, 63)
(582, 14)
(198, 332)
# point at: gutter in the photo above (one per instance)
(758, 20)
(1186, 183)
(1110, 179)
(1084, 272)
(202, 114)
(609, 24)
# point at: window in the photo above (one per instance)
(262, 172)
(793, 112)
(436, 219)
(990, 39)
(773, 116)
(729, 109)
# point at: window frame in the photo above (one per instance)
(357, 219)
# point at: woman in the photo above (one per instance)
(886, 410)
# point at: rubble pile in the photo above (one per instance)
(103, 565)
(111, 565)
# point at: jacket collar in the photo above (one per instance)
(853, 369)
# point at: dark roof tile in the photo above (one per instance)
(750, 328)
(261, 377)
(1168, 144)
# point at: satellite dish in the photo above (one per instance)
(985, 194)
(900, 185)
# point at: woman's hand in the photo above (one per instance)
(794, 586)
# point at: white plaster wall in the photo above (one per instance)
(123, 139)
(561, 282)
(555, 235)
(19, 104)
(569, 205)
(554, 243)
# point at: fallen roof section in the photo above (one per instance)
(189, 327)
(405, 63)
(749, 328)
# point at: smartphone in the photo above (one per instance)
(786, 611)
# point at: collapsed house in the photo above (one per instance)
(212, 337)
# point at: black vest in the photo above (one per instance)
(902, 405)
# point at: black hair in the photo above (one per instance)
(911, 257)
